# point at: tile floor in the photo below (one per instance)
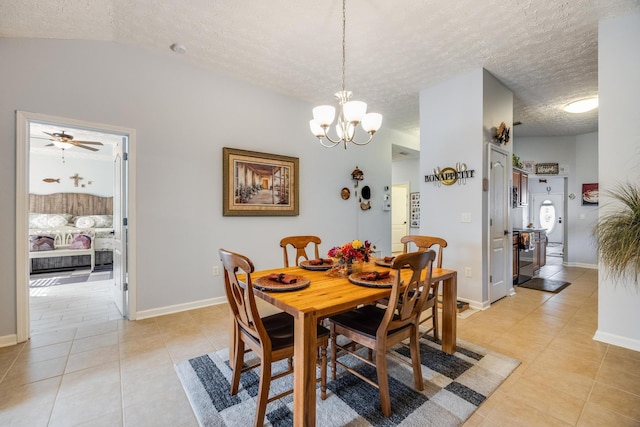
(111, 372)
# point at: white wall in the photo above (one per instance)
(578, 155)
(618, 160)
(97, 175)
(456, 118)
(183, 116)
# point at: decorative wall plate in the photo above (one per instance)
(345, 193)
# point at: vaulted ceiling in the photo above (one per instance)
(546, 52)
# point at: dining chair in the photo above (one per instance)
(378, 328)
(270, 337)
(300, 243)
(423, 243)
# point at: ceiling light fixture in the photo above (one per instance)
(582, 106)
(352, 113)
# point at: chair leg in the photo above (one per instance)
(323, 372)
(263, 392)
(414, 343)
(383, 382)
(236, 363)
(333, 350)
(436, 335)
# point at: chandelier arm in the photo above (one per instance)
(334, 143)
(353, 141)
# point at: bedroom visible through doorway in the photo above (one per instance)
(73, 201)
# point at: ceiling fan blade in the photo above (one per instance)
(74, 142)
(86, 148)
(50, 134)
(49, 145)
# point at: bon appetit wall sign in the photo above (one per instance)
(449, 175)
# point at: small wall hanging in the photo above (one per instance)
(502, 134)
(414, 208)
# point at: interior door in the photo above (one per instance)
(548, 213)
(120, 229)
(399, 215)
(499, 229)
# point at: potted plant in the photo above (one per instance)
(618, 232)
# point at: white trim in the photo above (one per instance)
(171, 309)
(618, 340)
(579, 264)
(8, 340)
(22, 208)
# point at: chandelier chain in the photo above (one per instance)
(344, 43)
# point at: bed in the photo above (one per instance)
(69, 230)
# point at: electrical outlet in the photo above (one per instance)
(467, 271)
(215, 271)
(465, 217)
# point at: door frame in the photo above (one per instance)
(407, 208)
(23, 118)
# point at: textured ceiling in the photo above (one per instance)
(544, 51)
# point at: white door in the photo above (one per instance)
(499, 230)
(548, 213)
(119, 289)
(399, 217)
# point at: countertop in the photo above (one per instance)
(530, 230)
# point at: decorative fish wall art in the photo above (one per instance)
(50, 180)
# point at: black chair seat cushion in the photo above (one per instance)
(364, 320)
(279, 327)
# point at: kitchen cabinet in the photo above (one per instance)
(520, 188)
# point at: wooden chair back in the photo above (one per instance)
(408, 297)
(424, 243)
(300, 243)
(241, 299)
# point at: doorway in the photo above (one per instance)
(116, 140)
(399, 216)
(499, 229)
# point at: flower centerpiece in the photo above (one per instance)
(347, 255)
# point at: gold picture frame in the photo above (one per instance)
(259, 184)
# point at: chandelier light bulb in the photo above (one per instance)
(324, 115)
(354, 111)
(371, 122)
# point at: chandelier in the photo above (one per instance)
(351, 114)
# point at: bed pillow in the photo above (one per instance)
(103, 221)
(58, 220)
(85, 222)
(80, 241)
(41, 243)
(43, 220)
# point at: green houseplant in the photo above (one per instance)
(618, 232)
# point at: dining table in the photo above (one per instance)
(328, 295)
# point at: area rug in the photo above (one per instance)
(454, 387)
(547, 285)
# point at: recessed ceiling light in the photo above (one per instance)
(178, 48)
(582, 106)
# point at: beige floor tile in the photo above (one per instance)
(28, 405)
(92, 358)
(511, 412)
(563, 406)
(616, 400)
(24, 372)
(94, 341)
(598, 416)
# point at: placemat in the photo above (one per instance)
(356, 279)
(265, 284)
(322, 267)
(381, 263)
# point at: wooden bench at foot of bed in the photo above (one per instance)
(62, 243)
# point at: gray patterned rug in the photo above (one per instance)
(455, 385)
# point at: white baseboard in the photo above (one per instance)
(579, 264)
(476, 304)
(161, 311)
(605, 337)
(8, 340)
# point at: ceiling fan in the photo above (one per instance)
(61, 138)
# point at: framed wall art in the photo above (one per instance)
(259, 184)
(546, 169)
(590, 194)
(414, 210)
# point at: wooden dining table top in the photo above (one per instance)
(328, 295)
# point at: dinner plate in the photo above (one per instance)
(322, 267)
(265, 284)
(356, 279)
(381, 263)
